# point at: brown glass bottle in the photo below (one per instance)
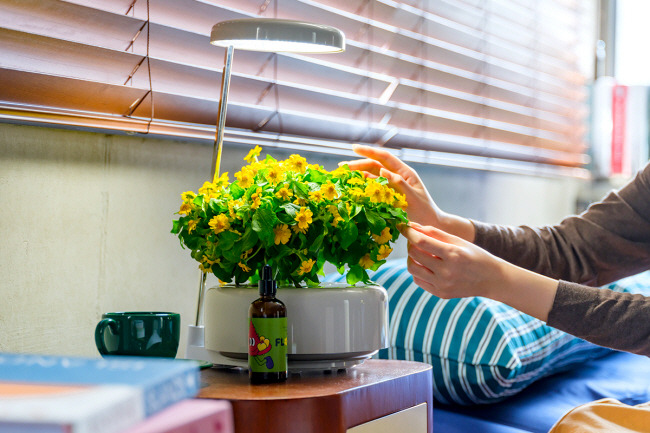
(267, 342)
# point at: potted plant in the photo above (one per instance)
(292, 215)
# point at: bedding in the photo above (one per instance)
(482, 351)
(622, 376)
(568, 371)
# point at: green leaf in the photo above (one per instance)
(249, 239)
(263, 222)
(316, 243)
(376, 222)
(348, 235)
(176, 228)
(232, 255)
(354, 275)
(300, 189)
(236, 191)
(224, 274)
(291, 209)
(399, 214)
(356, 209)
(316, 176)
(227, 239)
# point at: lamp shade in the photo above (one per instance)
(276, 35)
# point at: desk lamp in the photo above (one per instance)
(266, 35)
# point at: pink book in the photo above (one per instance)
(190, 416)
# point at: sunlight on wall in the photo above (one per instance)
(632, 62)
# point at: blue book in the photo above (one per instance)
(160, 382)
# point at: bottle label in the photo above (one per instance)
(267, 344)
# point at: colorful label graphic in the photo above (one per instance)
(267, 345)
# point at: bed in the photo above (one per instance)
(497, 370)
(623, 376)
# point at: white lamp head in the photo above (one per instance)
(275, 35)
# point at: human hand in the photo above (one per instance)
(421, 207)
(448, 266)
(379, 162)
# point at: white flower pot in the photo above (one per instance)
(330, 326)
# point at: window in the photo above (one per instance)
(489, 84)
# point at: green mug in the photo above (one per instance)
(139, 333)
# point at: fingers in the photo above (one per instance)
(375, 159)
(425, 242)
(366, 165)
(395, 181)
(436, 233)
(387, 159)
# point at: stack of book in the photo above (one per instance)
(43, 394)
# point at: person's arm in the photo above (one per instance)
(609, 241)
(602, 316)
(450, 267)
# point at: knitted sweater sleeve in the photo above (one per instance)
(609, 241)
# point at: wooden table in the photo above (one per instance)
(372, 396)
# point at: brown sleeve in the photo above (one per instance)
(610, 240)
(617, 320)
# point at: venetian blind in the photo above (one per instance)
(485, 83)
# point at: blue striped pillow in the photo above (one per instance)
(481, 350)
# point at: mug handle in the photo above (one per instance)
(99, 334)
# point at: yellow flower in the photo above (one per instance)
(366, 262)
(244, 267)
(297, 229)
(207, 260)
(340, 171)
(245, 254)
(305, 267)
(274, 175)
(336, 216)
(207, 188)
(297, 163)
(356, 193)
(252, 156)
(282, 234)
(185, 209)
(219, 223)
(316, 196)
(383, 237)
(388, 195)
(221, 181)
(188, 196)
(300, 201)
(191, 225)
(303, 217)
(374, 192)
(329, 190)
(356, 181)
(284, 193)
(384, 252)
(231, 209)
(245, 177)
(256, 198)
(400, 201)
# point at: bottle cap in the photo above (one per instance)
(267, 285)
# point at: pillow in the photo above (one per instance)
(482, 351)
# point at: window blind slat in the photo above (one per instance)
(489, 78)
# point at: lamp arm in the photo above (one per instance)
(221, 119)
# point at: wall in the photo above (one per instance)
(85, 221)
